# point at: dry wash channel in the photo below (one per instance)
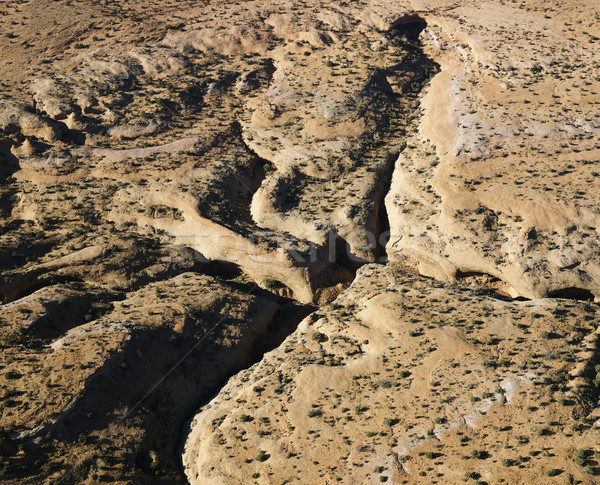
(149, 252)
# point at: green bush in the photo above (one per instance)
(319, 337)
(479, 454)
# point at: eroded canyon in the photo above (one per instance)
(282, 242)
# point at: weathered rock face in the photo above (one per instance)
(109, 354)
(17, 118)
(50, 98)
(404, 378)
(179, 158)
(307, 163)
(499, 179)
(332, 125)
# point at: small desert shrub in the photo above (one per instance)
(479, 454)
(319, 337)
(262, 456)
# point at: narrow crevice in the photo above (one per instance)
(170, 406)
(290, 315)
(231, 205)
(283, 324)
(9, 164)
(218, 269)
(409, 27)
(382, 219)
(497, 287)
(572, 293)
(383, 231)
(15, 289)
(18, 288)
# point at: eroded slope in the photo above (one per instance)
(501, 177)
(414, 381)
(143, 144)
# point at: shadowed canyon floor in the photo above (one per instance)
(288, 242)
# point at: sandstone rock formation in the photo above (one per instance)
(482, 187)
(405, 380)
(182, 184)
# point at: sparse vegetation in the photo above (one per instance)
(184, 187)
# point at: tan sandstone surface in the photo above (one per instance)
(396, 201)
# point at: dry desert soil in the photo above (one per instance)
(277, 242)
